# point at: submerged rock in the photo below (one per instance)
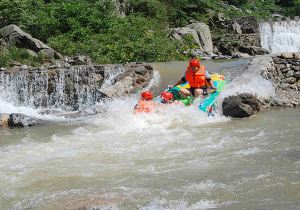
(240, 106)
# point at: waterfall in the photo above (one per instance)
(71, 89)
(278, 37)
(110, 75)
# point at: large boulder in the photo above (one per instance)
(13, 35)
(17, 120)
(200, 33)
(204, 35)
(240, 106)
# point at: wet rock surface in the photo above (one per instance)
(240, 106)
(74, 88)
(14, 120)
(135, 77)
(282, 71)
(284, 74)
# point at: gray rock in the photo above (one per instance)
(298, 84)
(21, 120)
(296, 68)
(67, 65)
(241, 106)
(290, 73)
(81, 60)
(24, 67)
(290, 80)
(200, 33)
(13, 35)
(47, 54)
(252, 50)
(220, 17)
(297, 75)
(284, 70)
(284, 86)
(204, 35)
(237, 28)
(249, 25)
(297, 55)
(287, 55)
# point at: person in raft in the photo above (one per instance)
(197, 77)
(145, 103)
(166, 98)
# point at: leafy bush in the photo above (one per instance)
(91, 26)
(4, 58)
(18, 54)
(128, 39)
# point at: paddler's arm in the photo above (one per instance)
(181, 81)
(208, 79)
(212, 84)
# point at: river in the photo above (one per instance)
(177, 158)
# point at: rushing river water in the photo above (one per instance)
(177, 158)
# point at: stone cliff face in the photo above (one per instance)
(237, 37)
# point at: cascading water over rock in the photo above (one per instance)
(284, 36)
(78, 88)
(67, 89)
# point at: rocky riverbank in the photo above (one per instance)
(281, 71)
(62, 82)
(285, 74)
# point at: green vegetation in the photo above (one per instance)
(92, 27)
(18, 55)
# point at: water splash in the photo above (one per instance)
(250, 80)
(277, 37)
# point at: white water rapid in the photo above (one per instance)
(176, 158)
(278, 37)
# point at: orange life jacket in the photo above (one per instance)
(196, 79)
(144, 106)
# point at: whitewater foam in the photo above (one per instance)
(277, 37)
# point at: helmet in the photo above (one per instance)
(167, 96)
(147, 95)
(194, 62)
